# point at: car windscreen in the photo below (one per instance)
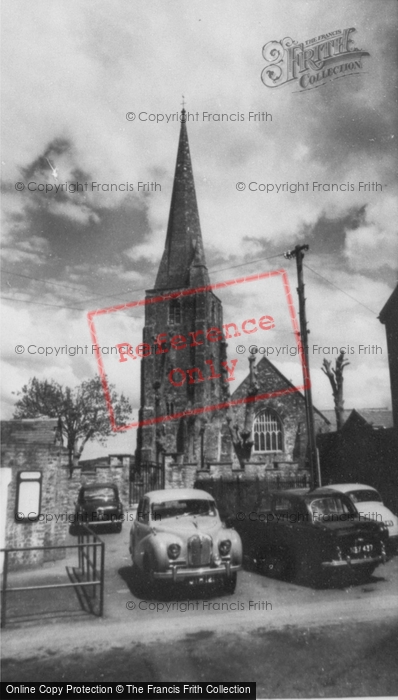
(362, 495)
(330, 506)
(106, 493)
(181, 508)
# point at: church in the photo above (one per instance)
(188, 372)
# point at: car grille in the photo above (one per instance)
(199, 550)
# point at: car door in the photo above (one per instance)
(280, 527)
(296, 529)
(257, 525)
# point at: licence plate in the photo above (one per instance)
(361, 548)
(201, 579)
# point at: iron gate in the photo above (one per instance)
(149, 476)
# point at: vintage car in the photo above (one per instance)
(99, 505)
(178, 536)
(370, 506)
(304, 535)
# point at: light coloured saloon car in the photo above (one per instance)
(178, 535)
(370, 506)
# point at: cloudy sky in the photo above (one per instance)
(72, 70)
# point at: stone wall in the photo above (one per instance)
(118, 474)
(31, 445)
(180, 476)
(35, 445)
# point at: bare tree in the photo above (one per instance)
(335, 376)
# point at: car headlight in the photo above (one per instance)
(224, 547)
(389, 523)
(173, 550)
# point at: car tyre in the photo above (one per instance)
(150, 582)
(364, 573)
(300, 571)
(272, 564)
(118, 527)
(230, 583)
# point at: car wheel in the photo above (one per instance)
(230, 583)
(151, 584)
(300, 571)
(118, 527)
(365, 572)
(139, 585)
(273, 565)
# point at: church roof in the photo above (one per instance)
(183, 263)
(264, 366)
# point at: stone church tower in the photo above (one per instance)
(186, 369)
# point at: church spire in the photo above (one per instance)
(183, 263)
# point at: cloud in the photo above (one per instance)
(71, 76)
(374, 244)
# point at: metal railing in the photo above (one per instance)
(239, 492)
(148, 476)
(87, 579)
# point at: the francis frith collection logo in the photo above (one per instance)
(313, 62)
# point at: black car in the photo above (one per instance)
(305, 535)
(99, 505)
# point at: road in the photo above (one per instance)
(292, 640)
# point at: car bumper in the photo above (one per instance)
(177, 572)
(348, 562)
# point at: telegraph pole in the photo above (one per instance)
(298, 253)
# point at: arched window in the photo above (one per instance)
(267, 432)
(174, 312)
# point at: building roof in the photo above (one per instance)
(183, 263)
(94, 463)
(378, 417)
(389, 307)
(30, 431)
(284, 380)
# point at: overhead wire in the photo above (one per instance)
(140, 289)
(339, 288)
(124, 291)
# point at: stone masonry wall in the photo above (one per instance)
(49, 529)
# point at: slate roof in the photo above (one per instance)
(29, 431)
(378, 417)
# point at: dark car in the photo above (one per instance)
(99, 505)
(305, 535)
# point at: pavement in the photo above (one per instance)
(189, 634)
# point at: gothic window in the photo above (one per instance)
(267, 432)
(174, 312)
(170, 408)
